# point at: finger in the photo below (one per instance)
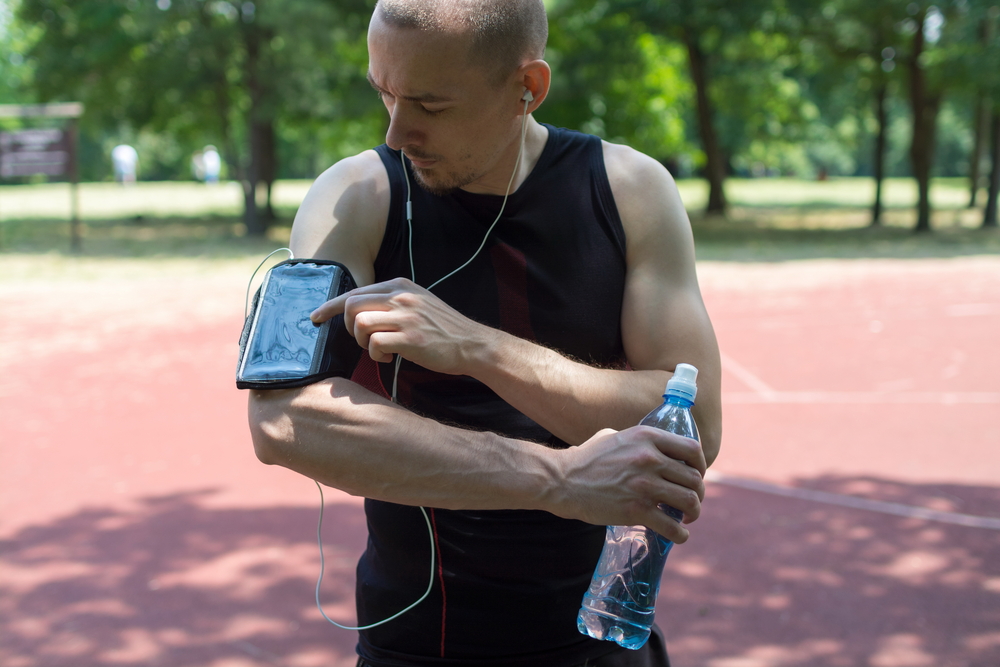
(367, 323)
(660, 523)
(679, 448)
(368, 308)
(338, 304)
(683, 476)
(330, 309)
(683, 499)
(383, 344)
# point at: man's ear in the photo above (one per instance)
(534, 77)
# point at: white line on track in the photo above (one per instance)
(744, 375)
(762, 392)
(854, 502)
(865, 397)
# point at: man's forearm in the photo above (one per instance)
(569, 399)
(573, 400)
(342, 435)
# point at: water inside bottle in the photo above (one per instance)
(620, 602)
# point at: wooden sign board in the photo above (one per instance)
(31, 152)
(48, 151)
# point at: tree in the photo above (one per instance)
(990, 211)
(698, 27)
(218, 71)
(861, 46)
(925, 93)
(15, 70)
(615, 80)
(990, 61)
(738, 61)
(980, 123)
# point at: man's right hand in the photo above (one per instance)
(620, 477)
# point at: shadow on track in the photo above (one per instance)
(175, 583)
(765, 581)
(769, 580)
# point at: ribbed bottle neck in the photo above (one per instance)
(677, 399)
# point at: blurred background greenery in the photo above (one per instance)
(776, 114)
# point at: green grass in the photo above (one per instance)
(769, 220)
(835, 193)
(111, 201)
(750, 238)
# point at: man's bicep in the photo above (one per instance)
(343, 216)
(664, 320)
(664, 323)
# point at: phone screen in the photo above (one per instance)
(284, 343)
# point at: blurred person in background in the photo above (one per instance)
(125, 161)
(211, 163)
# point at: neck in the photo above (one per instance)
(496, 180)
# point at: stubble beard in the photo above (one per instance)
(440, 181)
(445, 185)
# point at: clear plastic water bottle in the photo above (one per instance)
(619, 605)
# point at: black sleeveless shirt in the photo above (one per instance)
(508, 584)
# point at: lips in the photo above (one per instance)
(421, 163)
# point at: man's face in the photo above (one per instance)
(444, 115)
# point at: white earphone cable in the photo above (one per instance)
(517, 162)
(322, 567)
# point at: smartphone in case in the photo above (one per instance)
(280, 346)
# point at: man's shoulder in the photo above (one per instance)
(363, 169)
(343, 216)
(645, 193)
(354, 189)
(632, 171)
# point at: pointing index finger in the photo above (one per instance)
(337, 305)
(331, 308)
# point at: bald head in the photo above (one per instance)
(503, 33)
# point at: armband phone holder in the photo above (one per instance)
(280, 346)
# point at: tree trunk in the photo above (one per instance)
(980, 125)
(925, 109)
(268, 164)
(879, 165)
(922, 157)
(715, 168)
(255, 224)
(990, 214)
(230, 155)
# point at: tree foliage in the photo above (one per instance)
(205, 71)
(616, 81)
(757, 87)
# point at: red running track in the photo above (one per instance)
(138, 528)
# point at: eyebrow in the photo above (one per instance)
(426, 97)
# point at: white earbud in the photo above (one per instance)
(527, 97)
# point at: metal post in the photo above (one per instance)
(75, 242)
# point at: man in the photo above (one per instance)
(574, 299)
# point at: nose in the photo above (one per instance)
(403, 130)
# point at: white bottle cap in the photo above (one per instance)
(683, 383)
